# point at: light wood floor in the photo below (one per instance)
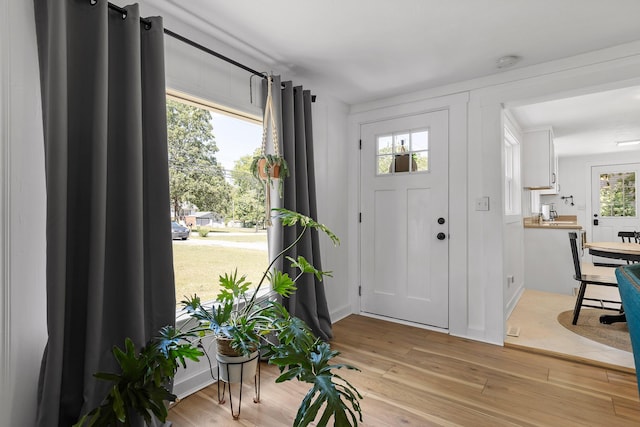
(414, 377)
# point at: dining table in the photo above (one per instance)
(626, 251)
(615, 250)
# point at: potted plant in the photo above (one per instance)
(140, 386)
(269, 164)
(267, 167)
(243, 317)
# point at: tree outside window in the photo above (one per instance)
(214, 193)
(618, 194)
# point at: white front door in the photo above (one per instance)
(613, 202)
(404, 219)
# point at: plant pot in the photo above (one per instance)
(234, 369)
(273, 171)
(401, 163)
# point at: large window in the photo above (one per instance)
(215, 196)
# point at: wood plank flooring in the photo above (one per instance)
(414, 377)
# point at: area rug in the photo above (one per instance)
(615, 335)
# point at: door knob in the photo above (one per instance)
(440, 220)
(441, 236)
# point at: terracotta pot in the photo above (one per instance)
(273, 171)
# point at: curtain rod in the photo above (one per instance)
(147, 25)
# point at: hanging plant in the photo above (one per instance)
(270, 167)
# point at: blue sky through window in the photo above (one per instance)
(235, 138)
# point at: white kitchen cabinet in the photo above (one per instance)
(555, 188)
(539, 161)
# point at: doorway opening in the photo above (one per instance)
(586, 129)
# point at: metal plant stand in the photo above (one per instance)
(256, 380)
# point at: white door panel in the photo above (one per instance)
(404, 266)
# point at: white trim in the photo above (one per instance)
(518, 76)
(456, 104)
(511, 304)
(5, 191)
(340, 313)
(404, 322)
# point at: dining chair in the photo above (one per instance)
(588, 274)
(629, 285)
(629, 237)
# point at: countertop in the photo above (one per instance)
(563, 222)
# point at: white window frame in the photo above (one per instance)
(512, 169)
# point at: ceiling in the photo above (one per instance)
(363, 50)
(587, 124)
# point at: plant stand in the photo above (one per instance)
(235, 376)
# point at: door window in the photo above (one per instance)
(402, 152)
(618, 194)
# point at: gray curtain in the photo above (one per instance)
(109, 256)
(309, 303)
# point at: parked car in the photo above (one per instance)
(179, 231)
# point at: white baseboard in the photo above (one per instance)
(340, 313)
(511, 304)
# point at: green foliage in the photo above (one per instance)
(330, 391)
(203, 231)
(248, 195)
(194, 174)
(140, 386)
(240, 314)
(618, 194)
(244, 315)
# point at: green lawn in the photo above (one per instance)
(249, 237)
(197, 268)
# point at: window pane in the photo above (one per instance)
(421, 161)
(618, 194)
(420, 140)
(401, 143)
(385, 144)
(385, 165)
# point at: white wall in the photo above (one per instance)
(22, 216)
(489, 241)
(332, 172)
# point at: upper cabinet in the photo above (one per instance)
(539, 161)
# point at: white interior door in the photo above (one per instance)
(613, 202)
(404, 223)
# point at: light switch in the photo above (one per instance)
(482, 203)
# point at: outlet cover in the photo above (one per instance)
(513, 331)
(482, 203)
